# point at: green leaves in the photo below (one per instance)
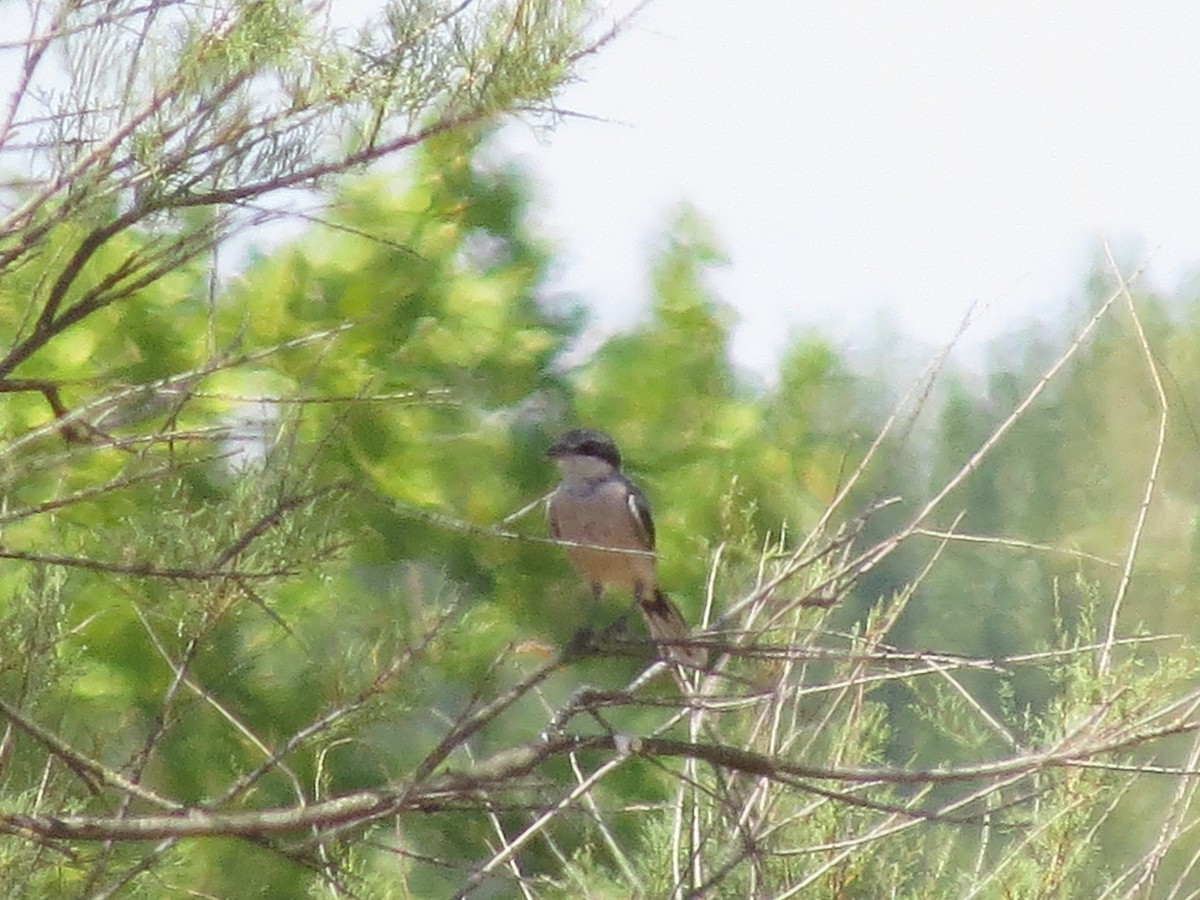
(272, 542)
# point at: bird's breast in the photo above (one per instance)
(600, 515)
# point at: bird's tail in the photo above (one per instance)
(665, 623)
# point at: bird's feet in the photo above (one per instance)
(588, 642)
(617, 629)
(581, 644)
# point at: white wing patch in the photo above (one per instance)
(641, 519)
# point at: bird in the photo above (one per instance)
(595, 504)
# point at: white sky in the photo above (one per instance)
(865, 156)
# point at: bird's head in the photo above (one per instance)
(585, 452)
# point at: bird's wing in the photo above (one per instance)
(639, 506)
(551, 518)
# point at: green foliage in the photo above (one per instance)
(251, 562)
(260, 544)
(396, 347)
(173, 582)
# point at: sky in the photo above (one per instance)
(879, 162)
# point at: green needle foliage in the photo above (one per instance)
(277, 613)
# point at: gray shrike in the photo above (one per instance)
(596, 504)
